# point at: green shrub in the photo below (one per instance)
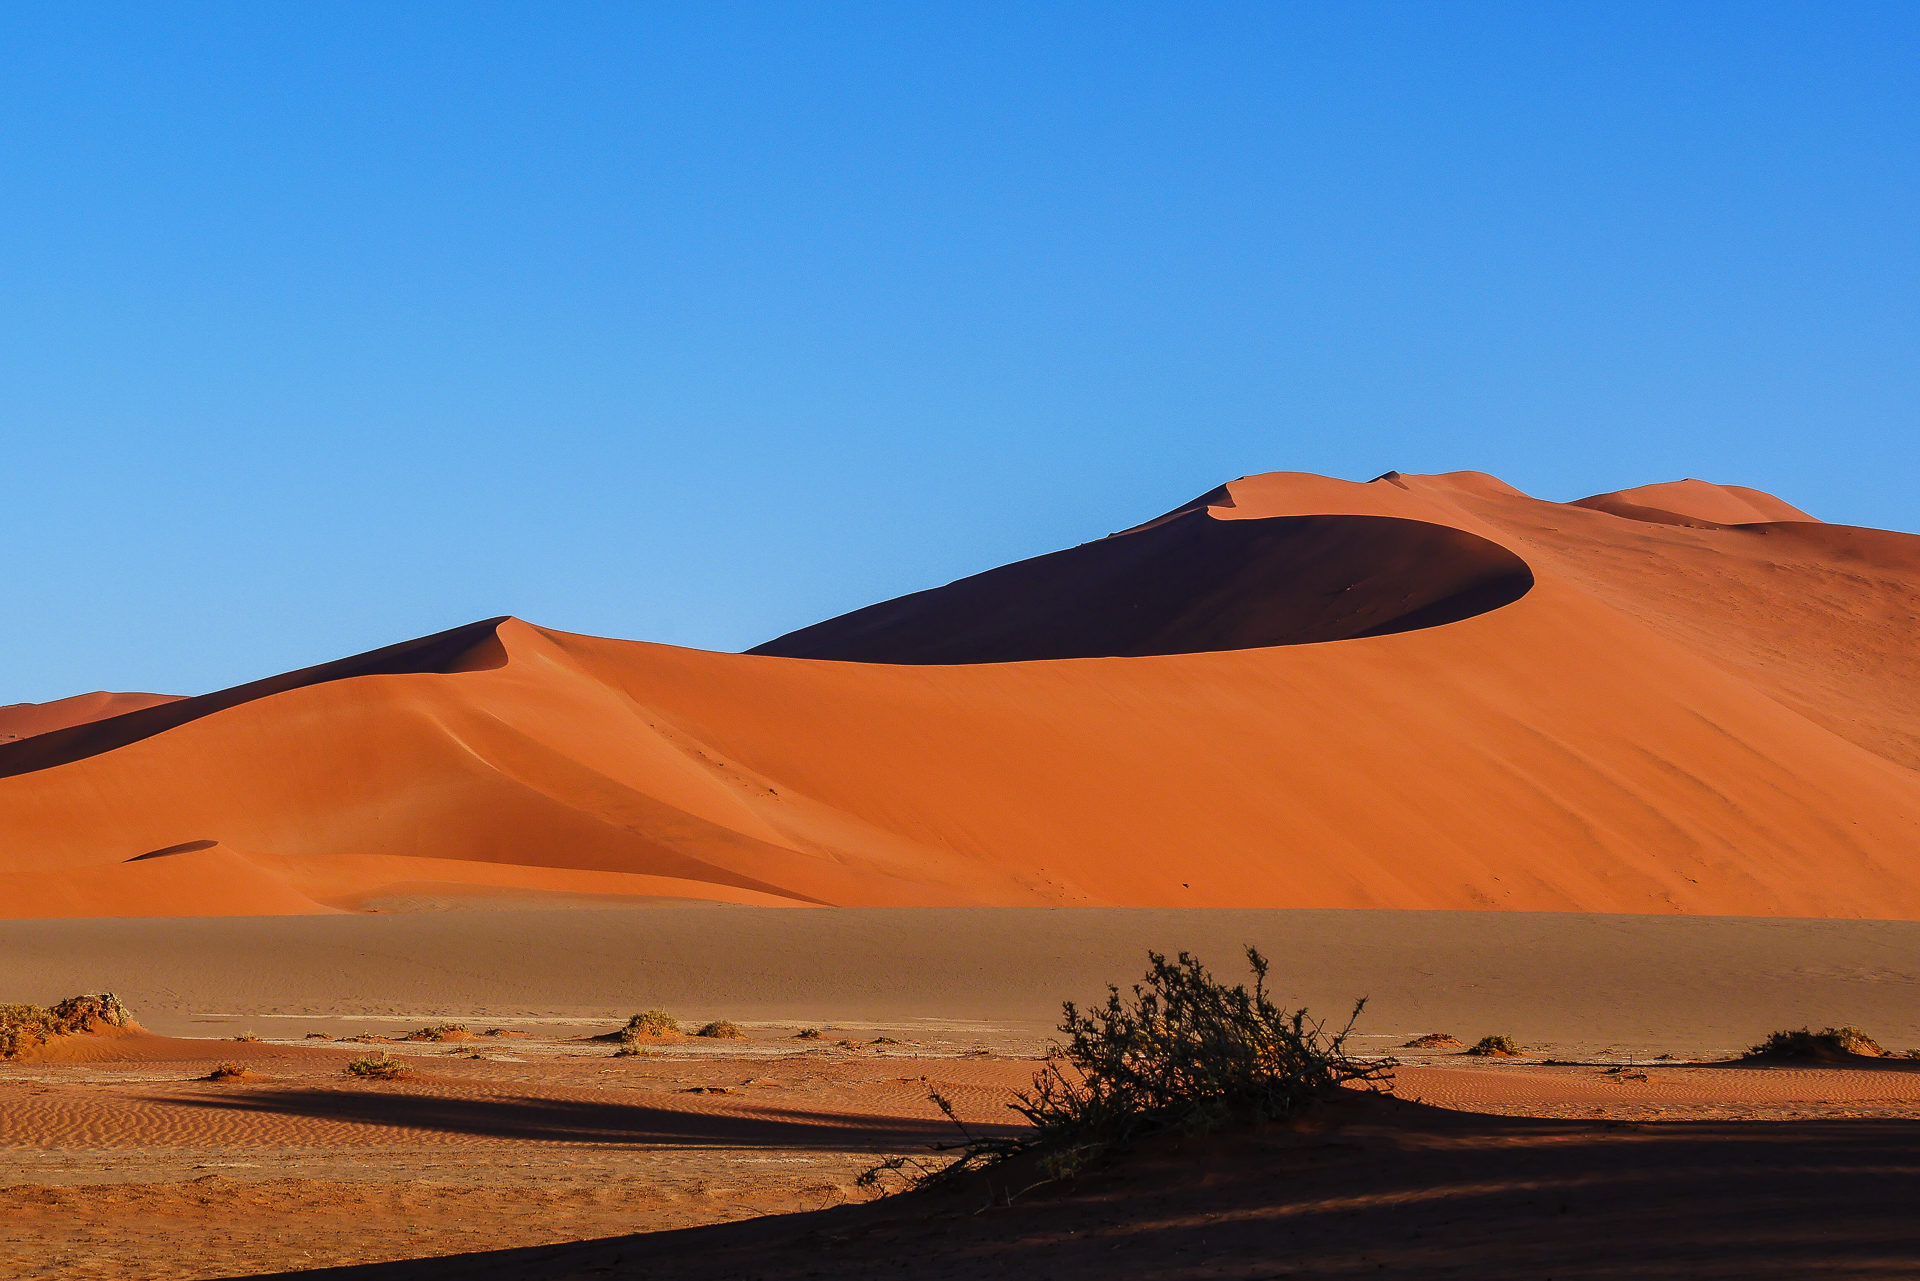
(722, 1030)
(1501, 1047)
(1184, 1055)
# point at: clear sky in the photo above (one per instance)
(329, 325)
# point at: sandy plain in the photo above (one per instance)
(121, 1162)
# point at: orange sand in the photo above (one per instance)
(1702, 705)
(24, 720)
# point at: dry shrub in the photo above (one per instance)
(1433, 1041)
(441, 1032)
(1185, 1055)
(1496, 1047)
(229, 1071)
(809, 1034)
(1826, 1043)
(650, 1023)
(246, 1036)
(318, 1036)
(378, 1068)
(722, 1030)
(24, 1026)
(632, 1050)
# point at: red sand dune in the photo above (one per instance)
(1420, 692)
(24, 720)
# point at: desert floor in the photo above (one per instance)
(536, 1153)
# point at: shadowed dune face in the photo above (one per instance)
(1532, 706)
(1186, 584)
(472, 647)
(24, 720)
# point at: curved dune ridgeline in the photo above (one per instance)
(1419, 692)
(1187, 584)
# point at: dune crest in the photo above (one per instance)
(1417, 692)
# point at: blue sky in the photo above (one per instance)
(336, 324)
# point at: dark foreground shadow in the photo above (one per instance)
(1391, 1189)
(573, 1121)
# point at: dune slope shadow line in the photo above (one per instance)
(469, 648)
(1186, 583)
(586, 1121)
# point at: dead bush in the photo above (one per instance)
(1184, 1055)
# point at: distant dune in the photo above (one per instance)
(1419, 692)
(24, 720)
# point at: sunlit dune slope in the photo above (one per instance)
(1420, 692)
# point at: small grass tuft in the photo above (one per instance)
(229, 1071)
(722, 1030)
(1496, 1047)
(246, 1036)
(633, 1050)
(319, 1036)
(380, 1067)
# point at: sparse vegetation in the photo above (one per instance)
(380, 1067)
(809, 1034)
(722, 1030)
(1808, 1044)
(246, 1036)
(632, 1050)
(1496, 1047)
(650, 1023)
(318, 1036)
(1184, 1055)
(228, 1071)
(1433, 1041)
(24, 1026)
(441, 1032)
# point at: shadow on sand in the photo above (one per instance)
(1389, 1189)
(576, 1121)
